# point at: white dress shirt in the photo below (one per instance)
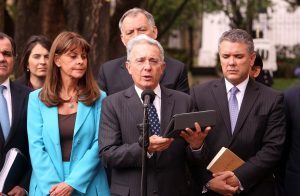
(240, 94)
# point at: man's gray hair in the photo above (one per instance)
(237, 35)
(135, 11)
(144, 39)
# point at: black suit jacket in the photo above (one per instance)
(292, 170)
(119, 148)
(114, 77)
(258, 136)
(17, 137)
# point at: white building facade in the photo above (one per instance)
(281, 27)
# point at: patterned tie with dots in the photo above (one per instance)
(233, 107)
(153, 120)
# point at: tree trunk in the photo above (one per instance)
(53, 19)
(2, 9)
(95, 28)
(28, 22)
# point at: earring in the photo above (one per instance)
(27, 69)
(58, 65)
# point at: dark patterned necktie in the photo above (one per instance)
(233, 107)
(153, 120)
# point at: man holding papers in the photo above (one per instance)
(119, 135)
(13, 112)
(250, 122)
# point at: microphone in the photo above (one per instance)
(148, 96)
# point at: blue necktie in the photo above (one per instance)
(233, 107)
(153, 120)
(4, 119)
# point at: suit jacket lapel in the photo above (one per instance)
(167, 106)
(134, 104)
(17, 101)
(219, 90)
(50, 116)
(82, 112)
(249, 99)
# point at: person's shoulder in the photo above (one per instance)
(175, 93)
(35, 93)
(267, 90)
(20, 87)
(20, 80)
(118, 96)
(292, 91)
(173, 62)
(114, 62)
(206, 85)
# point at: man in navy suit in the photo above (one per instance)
(122, 111)
(250, 122)
(16, 97)
(291, 158)
(113, 75)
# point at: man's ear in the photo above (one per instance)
(163, 66)
(128, 67)
(155, 32)
(123, 39)
(256, 70)
(252, 58)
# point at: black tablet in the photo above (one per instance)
(187, 120)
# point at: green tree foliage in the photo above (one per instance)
(186, 12)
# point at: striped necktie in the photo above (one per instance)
(233, 107)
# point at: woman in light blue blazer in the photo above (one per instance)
(63, 124)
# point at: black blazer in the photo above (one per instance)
(292, 170)
(119, 148)
(258, 136)
(17, 137)
(114, 77)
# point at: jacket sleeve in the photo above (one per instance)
(42, 165)
(113, 152)
(265, 160)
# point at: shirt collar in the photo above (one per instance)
(157, 91)
(6, 84)
(241, 86)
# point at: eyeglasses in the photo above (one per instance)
(143, 60)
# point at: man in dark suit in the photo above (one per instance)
(250, 122)
(16, 98)
(291, 158)
(113, 75)
(122, 111)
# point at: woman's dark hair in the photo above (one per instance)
(30, 44)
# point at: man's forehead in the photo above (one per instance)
(5, 45)
(236, 47)
(140, 20)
